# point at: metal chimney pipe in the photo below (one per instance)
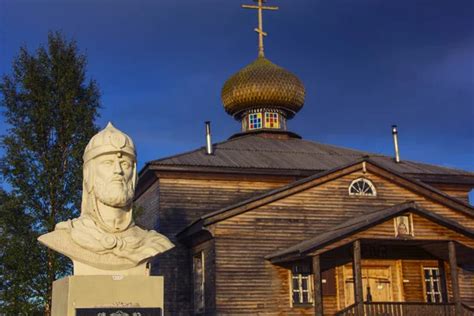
(209, 149)
(395, 142)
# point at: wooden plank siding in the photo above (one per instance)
(247, 284)
(329, 304)
(458, 191)
(182, 201)
(413, 279)
(148, 206)
(466, 283)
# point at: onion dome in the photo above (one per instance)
(263, 85)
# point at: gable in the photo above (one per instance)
(316, 203)
(305, 214)
(324, 205)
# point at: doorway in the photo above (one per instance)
(376, 282)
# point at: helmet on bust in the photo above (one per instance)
(109, 140)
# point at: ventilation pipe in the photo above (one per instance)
(209, 150)
(395, 142)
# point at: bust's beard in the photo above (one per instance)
(114, 194)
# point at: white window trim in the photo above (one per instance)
(431, 280)
(300, 290)
(368, 182)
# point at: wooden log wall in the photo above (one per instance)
(174, 203)
(413, 279)
(458, 191)
(147, 207)
(466, 282)
(247, 283)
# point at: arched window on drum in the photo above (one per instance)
(362, 187)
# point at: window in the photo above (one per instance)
(271, 120)
(433, 285)
(301, 284)
(255, 120)
(198, 275)
(362, 187)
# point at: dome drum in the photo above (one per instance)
(259, 119)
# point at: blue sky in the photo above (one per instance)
(366, 64)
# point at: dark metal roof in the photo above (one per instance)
(361, 223)
(256, 152)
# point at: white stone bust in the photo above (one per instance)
(104, 239)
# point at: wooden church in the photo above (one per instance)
(268, 223)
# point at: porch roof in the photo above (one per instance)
(361, 223)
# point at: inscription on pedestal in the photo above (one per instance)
(118, 312)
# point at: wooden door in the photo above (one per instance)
(377, 280)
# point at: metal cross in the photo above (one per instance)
(259, 30)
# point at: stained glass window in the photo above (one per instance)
(255, 120)
(271, 120)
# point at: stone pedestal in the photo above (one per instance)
(110, 291)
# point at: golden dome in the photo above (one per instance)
(262, 84)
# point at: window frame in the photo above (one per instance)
(431, 280)
(272, 120)
(362, 194)
(255, 121)
(309, 277)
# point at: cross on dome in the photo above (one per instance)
(260, 7)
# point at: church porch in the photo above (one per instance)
(384, 277)
(403, 260)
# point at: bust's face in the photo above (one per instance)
(113, 174)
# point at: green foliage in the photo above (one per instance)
(20, 273)
(50, 110)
